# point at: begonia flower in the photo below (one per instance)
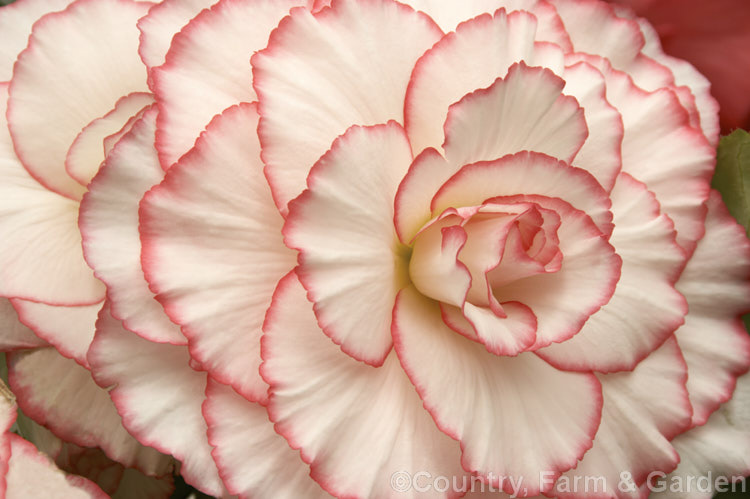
(338, 246)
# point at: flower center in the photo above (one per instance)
(468, 255)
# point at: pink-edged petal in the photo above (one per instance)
(526, 173)
(33, 474)
(412, 211)
(601, 154)
(651, 75)
(507, 336)
(323, 73)
(40, 255)
(450, 264)
(239, 429)
(643, 410)
(69, 329)
(8, 414)
(207, 69)
(686, 75)
(716, 284)
(645, 308)
(565, 303)
(479, 135)
(213, 251)
(317, 391)
(594, 28)
(482, 399)
(109, 224)
(57, 89)
(444, 74)
(111, 141)
(434, 267)
(158, 28)
(15, 335)
(349, 252)
(662, 149)
(585, 281)
(58, 393)
(158, 395)
(16, 20)
(86, 154)
(525, 111)
(448, 15)
(717, 449)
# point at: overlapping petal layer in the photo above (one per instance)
(316, 390)
(69, 329)
(715, 283)
(16, 21)
(300, 93)
(109, 224)
(61, 395)
(157, 28)
(650, 405)
(167, 392)
(238, 429)
(529, 190)
(645, 308)
(349, 253)
(482, 400)
(76, 95)
(207, 70)
(218, 291)
(40, 258)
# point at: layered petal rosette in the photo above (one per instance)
(365, 248)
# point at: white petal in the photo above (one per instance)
(158, 28)
(717, 449)
(16, 20)
(59, 88)
(449, 15)
(323, 73)
(643, 410)
(349, 253)
(645, 308)
(601, 154)
(239, 429)
(15, 334)
(716, 283)
(355, 424)
(213, 250)
(108, 221)
(661, 149)
(40, 246)
(69, 329)
(525, 111)
(595, 29)
(158, 395)
(60, 394)
(526, 173)
(485, 401)
(33, 474)
(445, 74)
(87, 153)
(207, 69)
